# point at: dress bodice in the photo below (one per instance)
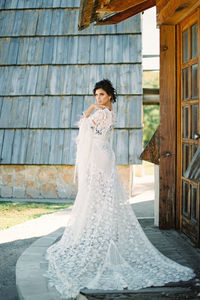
(101, 122)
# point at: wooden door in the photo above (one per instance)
(188, 126)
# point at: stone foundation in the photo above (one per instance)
(45, 182)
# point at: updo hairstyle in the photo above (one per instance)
(106, 85)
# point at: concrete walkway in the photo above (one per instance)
(26, 244)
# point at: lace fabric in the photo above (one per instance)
(103, 245)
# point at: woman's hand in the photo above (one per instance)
(98, 106)
(93, 106)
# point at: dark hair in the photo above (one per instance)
(106, 85)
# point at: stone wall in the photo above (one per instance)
(39, 182)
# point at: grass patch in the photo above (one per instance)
(13, 213)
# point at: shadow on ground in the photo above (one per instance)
(10, 252)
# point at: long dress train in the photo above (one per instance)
(103, 245)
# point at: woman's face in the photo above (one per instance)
(102, 97)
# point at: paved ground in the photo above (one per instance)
(15, 240)
(32, 265)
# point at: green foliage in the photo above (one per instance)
(151, 79)
(151, 120)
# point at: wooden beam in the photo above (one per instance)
(85, 13)
(118, 5)
(167, 127)
(151, 152)
(119, 17)
(173, 11)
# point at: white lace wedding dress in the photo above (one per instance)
(103, 245)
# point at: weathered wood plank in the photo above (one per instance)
(4, 49)
(65, 112)
(3, 4)
(125, 14)
(35, 50)
(70, 3)
(83, 49)
(44, 22)
(19, 4)
(77, 49)
(51, 120)
(13, 51)
(151, 152)
(167, 127)
(6, 108)
(62, 112)
(85, 14)
(1, 143)
(37, 146)
(42, 84)
(30, 81)
(26, 3)
(134, 146)
(14, 23)
(72, 146)
(28, 24)
(72, 53)
(17, 24)
(173, 11)
(23, 51)
(7, 148)
(129, 112)
(7, 20)
(121, 150)
(31, 146)
(55, 153)
(56, 21)
(97, 46)
(23, 147)
(77, 108)
(16, 147)
(45, 149)
(47, 54)
(19, 113)
(117, 5)
(66, 147)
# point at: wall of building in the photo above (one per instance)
(38, 183)
(47, 73)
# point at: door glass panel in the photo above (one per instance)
(185, 197)
(185, 83)
(185, 46)
(194, 88)
(194, 203)
(193, 150)
(194, 40)
(185, 122)
(185, 157)
(194, 119)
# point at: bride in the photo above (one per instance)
(103, 246)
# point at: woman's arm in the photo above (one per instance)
(89, 111)
(92, 107)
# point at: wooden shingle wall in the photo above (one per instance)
(47, 72)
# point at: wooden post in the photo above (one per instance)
(167, 127)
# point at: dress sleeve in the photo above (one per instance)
(101, 121)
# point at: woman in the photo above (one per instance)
(104, 246)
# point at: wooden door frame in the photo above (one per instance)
(187, 21)
(167, 203)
